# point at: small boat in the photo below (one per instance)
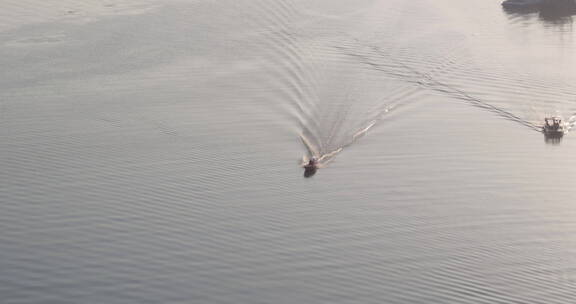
(311, 168)
(553, 127)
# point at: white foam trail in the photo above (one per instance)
(312, 150)
(571, 122)
(325, 158)
(328, 157)
(363, 131)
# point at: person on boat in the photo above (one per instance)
(311, 163)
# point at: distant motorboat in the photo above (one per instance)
(311, 168)
(553, 127)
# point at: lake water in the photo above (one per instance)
(151, 152)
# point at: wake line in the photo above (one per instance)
(324, 144)
(571, 122)
(323, 158)
(447, 88)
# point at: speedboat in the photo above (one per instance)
(311, 168)
(553, 127)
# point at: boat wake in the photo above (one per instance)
(373, 55)
(326, 152)
(339, 125)
(570, 122)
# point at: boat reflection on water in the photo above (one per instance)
(553, 140)
(550, 11)
(558, 15)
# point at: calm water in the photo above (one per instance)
(150, 152)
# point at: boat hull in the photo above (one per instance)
(553, 133)
(310, 170)
(523, 4)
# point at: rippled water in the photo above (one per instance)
(151, 152)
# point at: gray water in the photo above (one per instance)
(151, 152)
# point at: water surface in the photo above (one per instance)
(151, 152)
